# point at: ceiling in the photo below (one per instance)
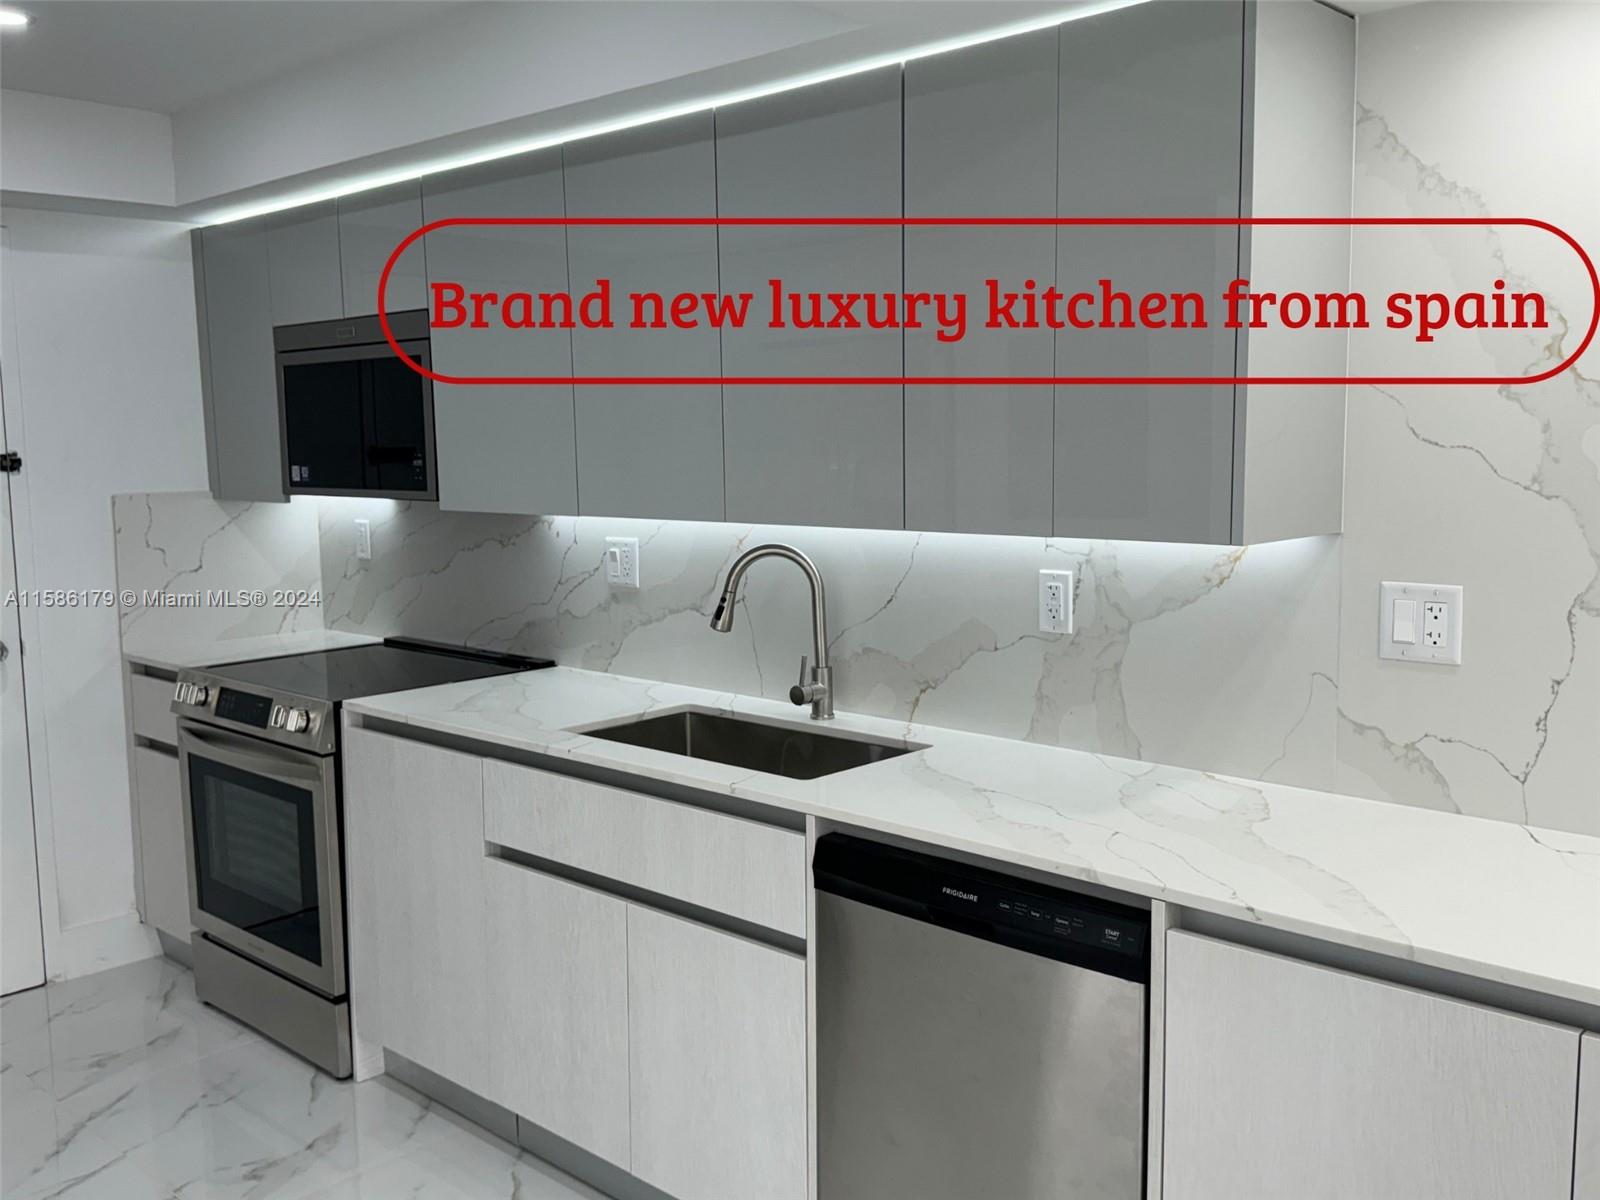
(164, 55)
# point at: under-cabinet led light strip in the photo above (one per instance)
(366, 183)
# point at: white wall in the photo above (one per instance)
(487, 64)
(495, 75)
(62, 147)
(102, 395)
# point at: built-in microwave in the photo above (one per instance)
(354, 419)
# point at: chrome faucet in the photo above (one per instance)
(816, 688)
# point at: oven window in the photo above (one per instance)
(256, 855)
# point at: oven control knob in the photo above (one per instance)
(181, 694)
(199, 693)
(280, 716)
(296, 720)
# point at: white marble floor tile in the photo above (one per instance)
(123, 1086)
(119, 1027)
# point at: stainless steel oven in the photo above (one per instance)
(258, 756)
(262, 826)
(355, 420)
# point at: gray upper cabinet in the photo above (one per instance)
(1288, 470)
(303, 265)
(980, 134)
(371, 225)
(1169, 109)
(237, 366)
(656, 450)
(502, 447)
(1149, 127)
(811, 454)
(1208, 108)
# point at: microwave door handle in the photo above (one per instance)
(238, 752)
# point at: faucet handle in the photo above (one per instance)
(803, 692)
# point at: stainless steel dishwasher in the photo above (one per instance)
(978, 1036)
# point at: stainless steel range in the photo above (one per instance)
(258, 748)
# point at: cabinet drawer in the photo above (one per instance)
(162, 851)
(732, 865)
(150, 700)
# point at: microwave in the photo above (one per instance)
(353, 418)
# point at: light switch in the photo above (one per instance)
(1405, 622)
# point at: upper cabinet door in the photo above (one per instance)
(303, 265)
(656, 450)
(980, 132)
(810, 454)
(241, 401)
(371, 225)
(502, 448)
(1151, 117)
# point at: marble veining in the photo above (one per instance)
(1207, 656)
(1492, 899)
(184, 546)
(123, 1086)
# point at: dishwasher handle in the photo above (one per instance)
(1069, 927)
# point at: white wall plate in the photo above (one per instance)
(1420, 622)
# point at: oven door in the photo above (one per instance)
(261, 824)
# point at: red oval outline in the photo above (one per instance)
(997, 380)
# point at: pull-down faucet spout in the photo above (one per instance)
(816, 686)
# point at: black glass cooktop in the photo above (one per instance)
(395, 665)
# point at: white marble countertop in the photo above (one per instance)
(175, 654)
(1491, 899)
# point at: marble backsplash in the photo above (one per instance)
(1213, 657)
(176, 549)
(1258, 662)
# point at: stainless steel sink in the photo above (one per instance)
(775, 749)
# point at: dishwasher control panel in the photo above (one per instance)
(1061, 924)
(1071, 921)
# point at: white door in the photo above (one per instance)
(21, 938)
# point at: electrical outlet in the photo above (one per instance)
(1055, 601)
(1421, 622)
(1435, 624)
(622, 562)
(363, 538)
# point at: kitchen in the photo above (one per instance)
(1060, 816)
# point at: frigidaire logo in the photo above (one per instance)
(972, 897)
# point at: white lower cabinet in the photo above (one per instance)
(558, 1004)
(414, 834)
(666, 1046)
(1288, 1080)
(1586, 1178)
(161, 841)
(716, 1043)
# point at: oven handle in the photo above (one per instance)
(236, 750)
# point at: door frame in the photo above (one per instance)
(11, 439)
